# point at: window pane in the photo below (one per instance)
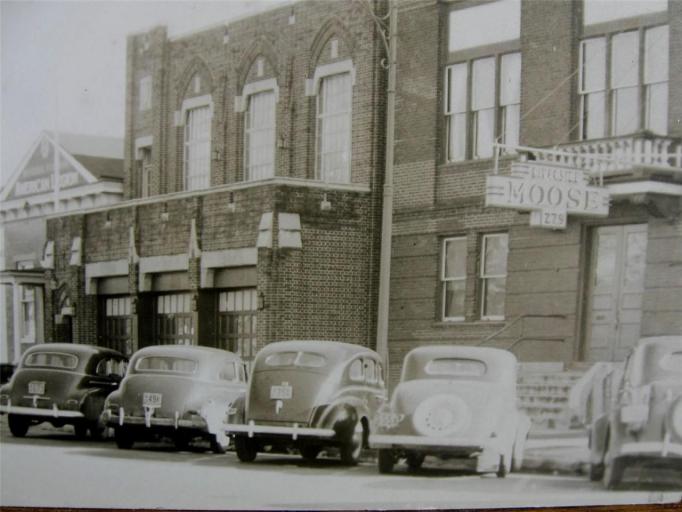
(656, 55)
(495, 255)
(593, 65)
(334, 128)
(260, 136)
(456, 137)
(625, 113)
(510, 124)
(657, 108)
(455, 258)
(483, 84)
(594, 115)
(197, 148)
(510, 79)
(484, 24)
(624, 59)
(456, 87)
(494, 293)
(484, 126)
(454, 299)
(599, 11)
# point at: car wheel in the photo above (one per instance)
(350, 450)
(613, 474)
(246, 449)
(310, 453)
(81, 430)
(386, 461)
(503, 467)
(97, 431)
(124, 439)
(216, 447)
(415, 460)
(596, 472)
(180, 441)
(18, 425)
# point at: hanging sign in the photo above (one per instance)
(550, 192)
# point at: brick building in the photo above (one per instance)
(254, 159)
(564, 85)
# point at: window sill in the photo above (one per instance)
(469, 323)
(477, 164)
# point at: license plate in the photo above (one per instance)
(151, 399)
(281, 392)
(36, 387)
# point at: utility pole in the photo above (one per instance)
(387, 214)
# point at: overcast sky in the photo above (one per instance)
(63, 62)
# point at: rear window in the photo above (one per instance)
(302, 359)
(165, 364)
(59, 360)
(455, 367)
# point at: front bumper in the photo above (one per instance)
(295, 432)
(53, 412)
(652, 448)
(149, 421)
(440, 444)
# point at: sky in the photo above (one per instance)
(62, 63)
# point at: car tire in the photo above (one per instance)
(180, 442)
(415, 460)
(596, 472)
(310, 453)
(97, 431)
(124, 438)
(503, 467)
(613, 474)
(216, 447)
(80, 430)
(18, 425)
(246, 449)
(351, 449)
(386, 461)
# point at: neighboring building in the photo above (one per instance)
(253, 170)
(600, 91)
(60, 173)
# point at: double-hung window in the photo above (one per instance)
(197, 148)
(482, 109)
(493, 275)
(334, 111)
(453, 277)
(28, 314)
(631, 91)
(259, 136)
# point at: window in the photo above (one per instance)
(357, 371)
(166, 364)
(116, 326)
(334, 105)
(237, 321)
(197, 148)
(483, 24)
(453, 277)
(493, 276)
(146, 93)
(601, 11)
(173, 322)
(259, 136)
(612, 97)
(28, 314)
(455, 367)
(477, 113)
(145, 164)
(59, 360)
(301, 359)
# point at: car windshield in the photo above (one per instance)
(59, 360)
(302, 359)
(166, 364)
(455, 367)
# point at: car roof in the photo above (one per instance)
(198, 352)
(342, 349)
(74, 348)
(666, 341)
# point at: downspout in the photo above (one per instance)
(387, 214)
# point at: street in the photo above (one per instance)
(51, 468)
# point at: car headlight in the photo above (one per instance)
(441, 415)
(676, 417)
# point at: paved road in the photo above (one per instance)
(51, 468)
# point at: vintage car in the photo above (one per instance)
(309, 395)
(454, 402)
(176, 391)
(635, 413)
(63, 384)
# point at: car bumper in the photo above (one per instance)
(652, 448)
(295, 432)
(121, 419)
(440, 444)
(54, 412)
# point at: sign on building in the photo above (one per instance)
(550, 192)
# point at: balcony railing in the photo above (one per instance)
(603, 158)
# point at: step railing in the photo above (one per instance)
(522, 336)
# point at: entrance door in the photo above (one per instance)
(116, 324)
(616, 289)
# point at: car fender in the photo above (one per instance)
(91, 402)
(342, 417)
(598, 439)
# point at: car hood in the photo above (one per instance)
(59, 384)
(305, 388)
(178, 394)
(480, 406)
